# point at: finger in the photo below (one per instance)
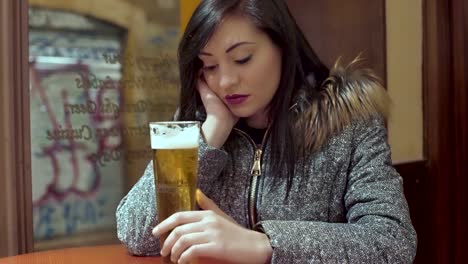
(206, 203)
(186, 242)
(177, 233)
(177, 219)
(205, 93)
(195, 252)
(202, 85)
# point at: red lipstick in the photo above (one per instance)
(236, 99)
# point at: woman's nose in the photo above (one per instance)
(228, 79)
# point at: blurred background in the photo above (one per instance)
(99, 71)
(96, 79)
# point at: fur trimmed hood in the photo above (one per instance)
(349, 94)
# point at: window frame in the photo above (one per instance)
(15, 164)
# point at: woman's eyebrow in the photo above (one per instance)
(237, 45)
(230, 48)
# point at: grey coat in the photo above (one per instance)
(349, 208)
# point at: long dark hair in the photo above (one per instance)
(299, 63)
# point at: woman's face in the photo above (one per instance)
(243, 67)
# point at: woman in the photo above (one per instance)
(294, 159)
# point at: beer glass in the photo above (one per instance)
(175, 162)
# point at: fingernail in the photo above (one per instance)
(155, 231)
(163, 253)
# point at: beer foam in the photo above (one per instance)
(174, 138)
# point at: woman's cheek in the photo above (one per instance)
(212, 84)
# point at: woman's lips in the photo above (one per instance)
(236, 99)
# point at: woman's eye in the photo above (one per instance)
(244, 60)
(209, 68)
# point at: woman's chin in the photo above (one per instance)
(240, 113)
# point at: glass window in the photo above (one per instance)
(97, 77)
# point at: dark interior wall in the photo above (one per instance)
(337, 28)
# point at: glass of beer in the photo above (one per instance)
(175, 162)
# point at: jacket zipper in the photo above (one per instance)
(255, 172)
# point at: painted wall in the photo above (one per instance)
(404, 73)
(186, 9)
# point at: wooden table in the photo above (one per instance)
(113, 254)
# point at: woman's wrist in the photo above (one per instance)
(263, 247)
(216, 131)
